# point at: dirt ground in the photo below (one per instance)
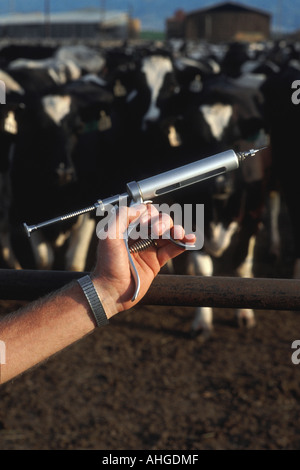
(142, 383)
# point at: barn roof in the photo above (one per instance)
(229, 7)
(76, 16)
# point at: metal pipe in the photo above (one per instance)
(225, 292)
(169, 290)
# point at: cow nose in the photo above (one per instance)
(152, 114)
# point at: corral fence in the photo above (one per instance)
(169, 290)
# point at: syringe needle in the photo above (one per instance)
(250, 153)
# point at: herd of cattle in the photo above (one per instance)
(80, 122)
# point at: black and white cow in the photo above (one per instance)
(40, 167)
(282, 114)
(42, 76)
(8, 133)
(9, 111)
(44, 176)
(225, 113)
(140, 117)
(41, 171)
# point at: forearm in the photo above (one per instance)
(44, 328)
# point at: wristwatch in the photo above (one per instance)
(93, 299)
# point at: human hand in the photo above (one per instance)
(112, 275)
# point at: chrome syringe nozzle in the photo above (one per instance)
(250, 153)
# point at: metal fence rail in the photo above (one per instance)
(169, 290)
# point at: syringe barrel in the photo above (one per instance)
(188, 174)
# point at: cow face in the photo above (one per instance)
(162, 84)
(60, 112)
(143, 88)
(42, 155)
(9, 128)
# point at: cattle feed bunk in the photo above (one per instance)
(169, 290)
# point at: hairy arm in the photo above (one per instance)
(45, 327)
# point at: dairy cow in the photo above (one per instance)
(13, 98)
(44, 177)
(282, 113)
(41, 172)
(225, 112)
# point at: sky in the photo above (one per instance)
(286, 13)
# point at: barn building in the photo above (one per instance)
(175, 25)
(87, 23)
(223, 22)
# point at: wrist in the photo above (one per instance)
(107, 295)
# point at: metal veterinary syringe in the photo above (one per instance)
(146, 190)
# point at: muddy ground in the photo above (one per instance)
(142, 383)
